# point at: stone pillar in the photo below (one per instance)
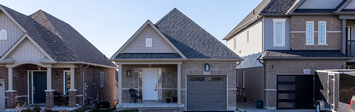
(10, 81)
(49, 99)
(72, 98)
(179, 83)
(120, 84)
(10, 100)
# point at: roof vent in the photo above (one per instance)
(3, 34)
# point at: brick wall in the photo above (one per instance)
(282, 67)
(298, 40)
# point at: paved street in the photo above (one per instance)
(247, 107)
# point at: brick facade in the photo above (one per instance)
(298, 40)
(20, 74)
(293, 67)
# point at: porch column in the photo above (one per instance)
(10, 82)
(179, 83)
(120, 84)
(72, 90)
(343, 36)
(49, 91)
(10, 92)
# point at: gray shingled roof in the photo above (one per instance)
(303, 54)
(278, 7)
(192, 40)
(57, 38)
(147, 55)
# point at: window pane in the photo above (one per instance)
(215, 79)
(286, 96)
(286, 87)
(101, 79)
(286, 78)
(197, 79)
(67, 82)
(279, 33)
(321, 32)
(286, 104)
(309, 33)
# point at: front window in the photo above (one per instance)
(279, 32)
(322, 32)
(102, 80)
(66, 81)
(309, 32)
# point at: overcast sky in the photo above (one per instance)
(108, 24)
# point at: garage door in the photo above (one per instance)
(294, 91)
(206, 93)
(2, 95)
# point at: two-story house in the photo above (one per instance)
(43, 58)
(283, 42)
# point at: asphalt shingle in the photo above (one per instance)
(294, 54)
(147, 55)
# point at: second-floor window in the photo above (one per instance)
(309, 32)
(102, 80)
(322, 32)
(279, 32)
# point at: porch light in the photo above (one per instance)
(56, 76)
(129, 73)
(207, 67)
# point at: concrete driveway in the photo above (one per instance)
(247, 107)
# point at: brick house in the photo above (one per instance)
(176, 54)
(283, 42)
(41, 55)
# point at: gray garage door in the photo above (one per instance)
(206, 92)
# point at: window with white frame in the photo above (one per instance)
(279, 32)
(322, 32)
(148, 42)
(243, 78)
(3, 34)
(310, 32)
(66, 80)
(102, 79)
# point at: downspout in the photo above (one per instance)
(264, 80)
(84, 85)
(238, 63)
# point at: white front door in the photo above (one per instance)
(150, 83)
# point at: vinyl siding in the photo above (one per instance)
(320, 4)
(13, 33)
(351, 5)
(269, 34)
(26, 52)
(138, 45)
(251, 50)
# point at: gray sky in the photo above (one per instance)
(108, 24)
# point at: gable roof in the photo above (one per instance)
(120, 55)
(266, 7)
(192, 40)
(58, 39)
(303, 54)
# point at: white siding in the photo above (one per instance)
(320, 4)
(351, 5)
(13, 33)
(138, 45)
(249, 51)
(26, 51)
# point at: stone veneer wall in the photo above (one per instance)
(169, 78)
(293, 67)
(217, 68)
(298, 40)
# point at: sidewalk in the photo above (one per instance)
(247, 107)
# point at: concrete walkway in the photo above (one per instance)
(247, 107)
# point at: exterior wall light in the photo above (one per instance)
(129, 73)
(57, 76)
(207, 67)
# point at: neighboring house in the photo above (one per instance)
(283, 42)
(41, 55)
(176, 54)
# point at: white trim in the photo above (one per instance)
(148, 22)
(297, 31)
(277, 21)
(333, 31)
(270, 89)
(315, 31)
(64, 82)
(325, 32)
(312, 32)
